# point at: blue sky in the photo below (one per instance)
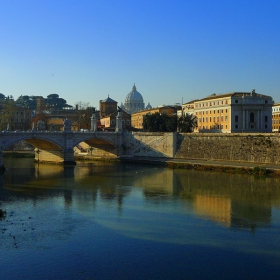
(172, 50)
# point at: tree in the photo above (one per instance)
(82, 115)
(161, 123)
(187, 123)
(7, 114)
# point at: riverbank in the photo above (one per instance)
(18, 154)
(196, 164)
(212, 165)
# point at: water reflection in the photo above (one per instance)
(231, 200)
(129, 216)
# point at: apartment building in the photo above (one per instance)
(276, 117)
(232, 112)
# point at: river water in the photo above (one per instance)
(127, 221)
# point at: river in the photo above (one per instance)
(101, 220)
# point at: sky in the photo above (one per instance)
(174, 51)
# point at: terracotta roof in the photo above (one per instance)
(216, 96)
(109, 100)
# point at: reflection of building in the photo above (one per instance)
(276, 117)
(232, 112)
(137, 118)
(250, 214)
(230, 213)
(216, 208)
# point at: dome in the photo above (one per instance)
(134, 101)
(149, 106)
(134, 96)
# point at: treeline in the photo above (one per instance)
(53, 101)
(20, 114)
(164, 123)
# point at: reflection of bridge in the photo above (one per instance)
(58, 146)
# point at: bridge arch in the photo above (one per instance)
(98, 145)
(38, 142)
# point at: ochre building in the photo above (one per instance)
(276, 117)
(232, 112)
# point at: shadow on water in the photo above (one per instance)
(232, 200)
(125, 214)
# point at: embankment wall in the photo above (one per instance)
(256, 148)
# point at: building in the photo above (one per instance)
(232, 112)
(137, 118)
(276, 117)
(134, 102)
(107, 107)
(109, 122)
(22, 118)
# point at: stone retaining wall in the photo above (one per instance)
(257, 148)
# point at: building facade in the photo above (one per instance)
(276, 117)
(107, 107)
(109, 122)
(232, 112)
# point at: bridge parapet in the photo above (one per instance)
(58, 146)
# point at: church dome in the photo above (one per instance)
(134, 101)
(134, 96)
(149, 106)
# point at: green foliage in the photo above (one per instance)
(160, 123)
(164, 123)
(187, 123)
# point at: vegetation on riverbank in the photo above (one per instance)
(257, 170)
(18, 154)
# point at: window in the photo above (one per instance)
(266, 119)
(236, 101)
(252, 117)
(236, 118)
(265, 126)
(236, 126)
(265, 101)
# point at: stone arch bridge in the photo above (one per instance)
(58, 146)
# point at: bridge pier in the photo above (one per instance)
(68, 156)
(61, 157)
